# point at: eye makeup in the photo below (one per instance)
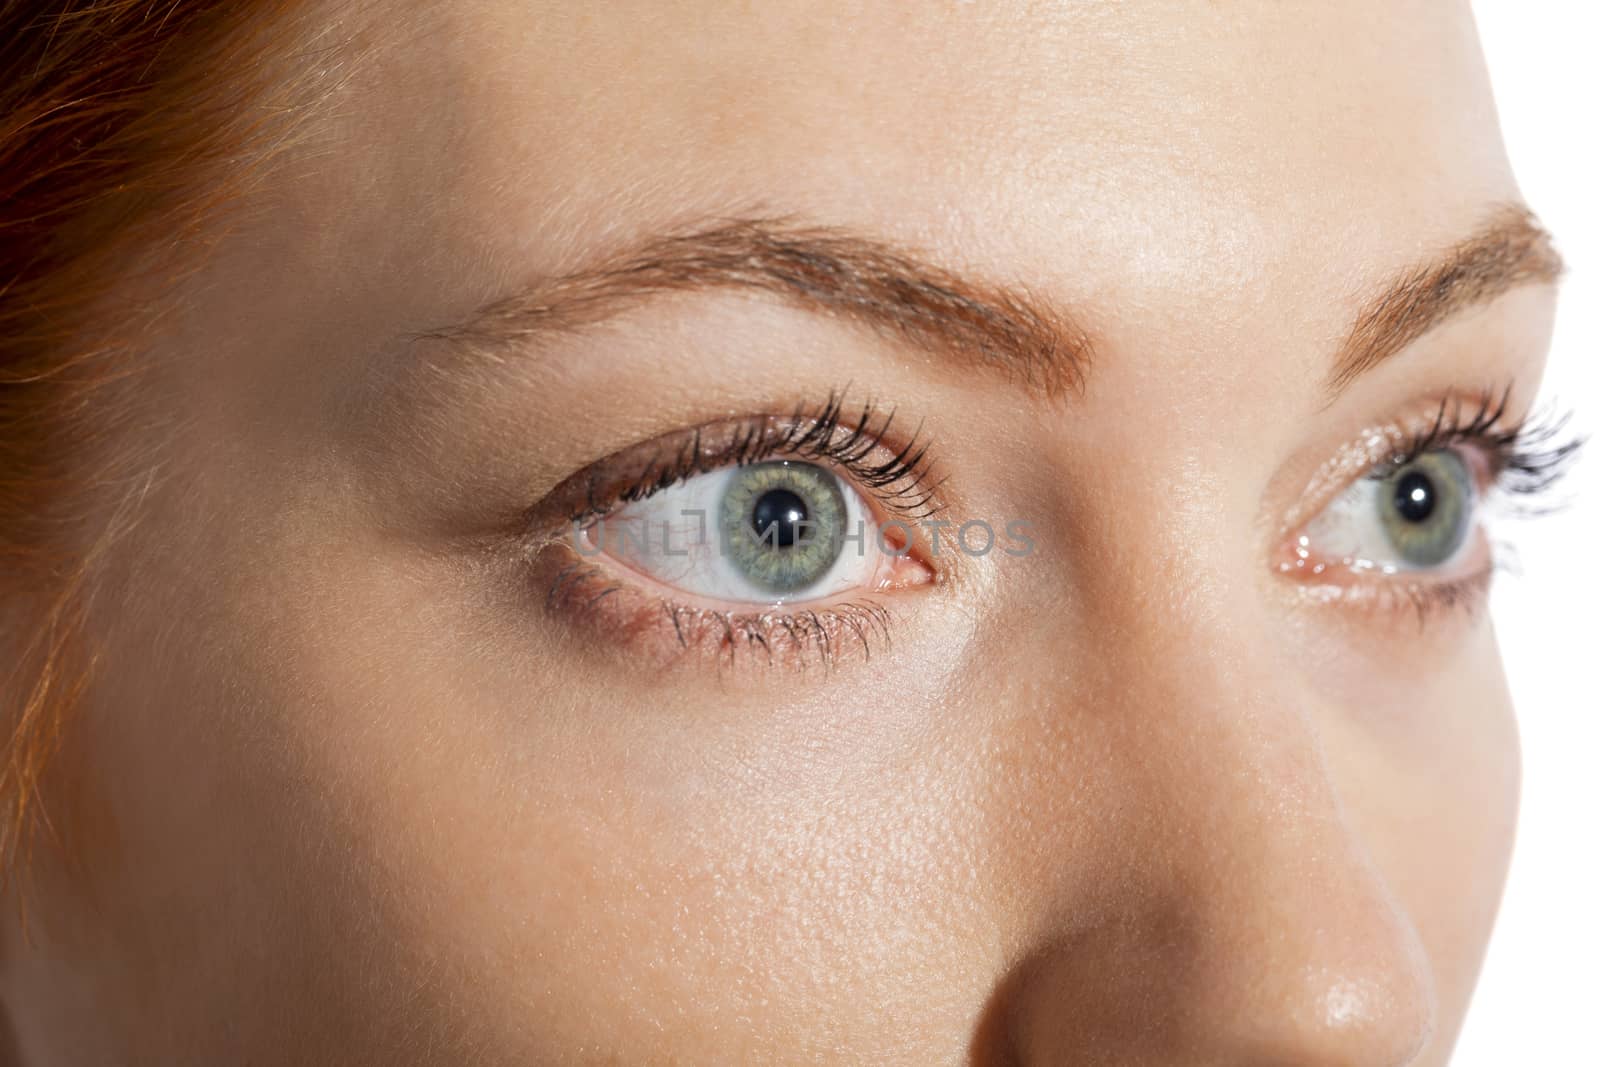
(794, 460)
(665, 627)
(899, 479)
(1398, 519)
(1394, 523)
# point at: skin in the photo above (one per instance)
(348, 789)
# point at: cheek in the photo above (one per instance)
(244, 782)
(1437, 804)
(419, 788)
(400, 803)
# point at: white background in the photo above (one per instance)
(1539, 1000)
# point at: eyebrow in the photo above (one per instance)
(1511, 249)
(864, 281)
(973, 323)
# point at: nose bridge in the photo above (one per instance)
(1261, 929)
(1298, 949)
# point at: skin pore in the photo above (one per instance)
(369, 773)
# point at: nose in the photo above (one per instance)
(1229, 912)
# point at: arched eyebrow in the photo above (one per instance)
(979, 325)
(868, 282)
(1511, 249)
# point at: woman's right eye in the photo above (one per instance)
(771, 533)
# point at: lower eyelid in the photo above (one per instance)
(1398, 600)
(632, 621)
(1295, 562)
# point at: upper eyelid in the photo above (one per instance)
(899, 476)
(1534, 450)
(1442, 418)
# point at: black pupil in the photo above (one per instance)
(1414, 496)
(779, 517)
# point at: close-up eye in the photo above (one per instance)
(1420, 511)
(776, 532)
(1416, 515)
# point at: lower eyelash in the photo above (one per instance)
(1468, 594)
(777, 637)
(1393, 597)
(785, 635)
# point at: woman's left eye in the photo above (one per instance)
(771, 533)
(1418, 514)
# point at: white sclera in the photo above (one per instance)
(1350, 530)
(673, 537)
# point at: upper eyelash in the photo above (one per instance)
(902, 483)
(1527, 457)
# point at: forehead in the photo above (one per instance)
(1168, 154)
(1090, 105)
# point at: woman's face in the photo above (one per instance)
(1207, 760)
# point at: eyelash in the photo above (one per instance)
(903, 484)
(1525, 460)
(794, 634)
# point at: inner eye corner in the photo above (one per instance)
(897, 538)
(1410, 517)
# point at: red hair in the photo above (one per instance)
(124, 126)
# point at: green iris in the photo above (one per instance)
(1425, 507)
(783, 524)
